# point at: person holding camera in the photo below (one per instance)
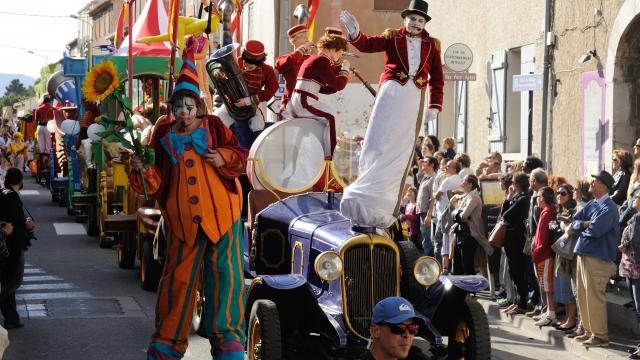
(17, 241)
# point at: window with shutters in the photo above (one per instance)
(498, 70)
(390, 5)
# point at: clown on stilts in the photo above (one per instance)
(412, 62)
(194, 179)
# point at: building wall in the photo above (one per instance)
(577, 31)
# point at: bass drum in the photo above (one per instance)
(288, 156)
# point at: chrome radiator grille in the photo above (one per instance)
(370, 275)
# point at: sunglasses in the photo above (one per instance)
(562, 193)
(400, 329)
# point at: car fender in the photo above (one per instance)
(293, 293)
(469, 283)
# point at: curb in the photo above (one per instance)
(556, 338)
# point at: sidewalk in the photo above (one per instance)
(619, 339)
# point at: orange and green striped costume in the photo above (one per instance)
(201, 205)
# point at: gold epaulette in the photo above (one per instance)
(437, 43)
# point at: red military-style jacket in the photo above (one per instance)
(43, 114)
(321, 70)
(288, 65)
(261, 81)
(396, 62)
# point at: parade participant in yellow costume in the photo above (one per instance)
(17, 151)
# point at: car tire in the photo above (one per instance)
(150, 269)
(409, 287)
(125, 252)
(469, 337)
(264, 339)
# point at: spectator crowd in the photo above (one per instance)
(555, 245)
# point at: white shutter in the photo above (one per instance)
(461, 115)
(498, 100)
(527, 66)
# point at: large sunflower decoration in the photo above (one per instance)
(102, 83)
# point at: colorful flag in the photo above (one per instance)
(312, 5)
(174, 14)
(119, 34)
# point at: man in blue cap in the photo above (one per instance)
(394, 323)
(599, 235)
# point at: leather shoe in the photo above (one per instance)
(595, 342)
(583, 337)
(10, 326)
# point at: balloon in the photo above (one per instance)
(145, 138)
(93, 130)
(51, 126)
(70, 127)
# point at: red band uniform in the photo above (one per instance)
(289, 65)
(318, 75)
(43, 114)
(262, 85)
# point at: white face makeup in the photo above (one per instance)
(185, 110)
(414, 23)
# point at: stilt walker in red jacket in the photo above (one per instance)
(412, 62)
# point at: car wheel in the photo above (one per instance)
(150, 269)
(409, 287)
(264, 341)
(469, 338)
(125, 252)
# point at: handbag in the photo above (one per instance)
(564, 246)
(496, 238)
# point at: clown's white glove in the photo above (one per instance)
(432, 114)
(350, 23)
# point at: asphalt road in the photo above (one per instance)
(77, 304)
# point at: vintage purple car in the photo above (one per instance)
(316, 279)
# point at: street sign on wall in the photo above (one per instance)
(458, 57)
(527, 82)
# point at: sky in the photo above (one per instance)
(45, 36)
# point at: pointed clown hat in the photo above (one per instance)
(187, 82)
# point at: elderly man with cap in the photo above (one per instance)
(412, 62)
(394, 323)
(262, 84)
(599, 235)
(289, 64)
(324, 73)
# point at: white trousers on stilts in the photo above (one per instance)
(388, 148)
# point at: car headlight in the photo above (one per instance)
(328, 265)
(426, 270)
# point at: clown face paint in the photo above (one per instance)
(185, 109)
(414, 23)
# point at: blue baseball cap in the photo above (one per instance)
(394, 310)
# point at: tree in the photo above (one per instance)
(15, 88)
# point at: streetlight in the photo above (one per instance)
(83, 34)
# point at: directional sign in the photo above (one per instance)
(527, 82)
(448, 76)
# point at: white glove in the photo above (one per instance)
(346, 65)
(246, 101)
(432, 114)
(350, 23)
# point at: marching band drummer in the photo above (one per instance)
(262, 84)
(289, 64)
(324, 73)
